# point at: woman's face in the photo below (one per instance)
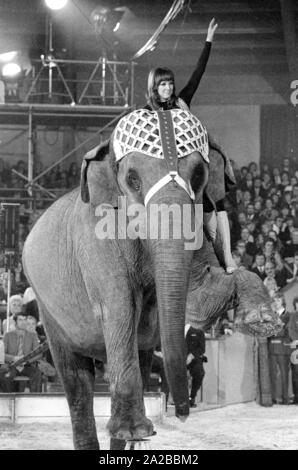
(165, 90)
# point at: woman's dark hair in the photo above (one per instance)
(155, 77)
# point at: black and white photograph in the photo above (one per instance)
(148, 228)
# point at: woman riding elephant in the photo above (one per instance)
(162, 96)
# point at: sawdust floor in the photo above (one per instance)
(244, 426)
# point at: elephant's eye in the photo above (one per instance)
(133, 180)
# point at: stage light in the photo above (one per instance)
(8, 56)
(116, 27)
(11, 70)
(56, 4)
(107, 19)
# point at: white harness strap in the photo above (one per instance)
(172, 176)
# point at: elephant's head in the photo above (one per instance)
(144, 163)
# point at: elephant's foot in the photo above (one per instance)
(133, 429)
(86, 445)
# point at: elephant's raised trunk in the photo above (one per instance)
(172, 264)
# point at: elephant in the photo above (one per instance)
(102, 296)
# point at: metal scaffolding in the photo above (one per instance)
(68, 92)
(83, 82)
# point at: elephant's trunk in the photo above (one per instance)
(172, 264)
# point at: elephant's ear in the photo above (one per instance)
(98, 177)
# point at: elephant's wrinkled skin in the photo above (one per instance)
(101, 297)
(91, 292)
(212, 292)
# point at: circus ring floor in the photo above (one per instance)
(245, 426)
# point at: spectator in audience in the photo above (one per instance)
(266, 182)
(239, 198)
(282, 270)
(15, 307)
(251, 226)
(265, 227)
(253, 169)
(250, 213)
(277, 243)
(269, 248)
(237, 258)
(295, 213)
(270, 281)
(258, 205)
(293, 334)
(31, 323)
(247, 238)
(295, 193)
(265, 168)
(276, 201)
(246, 199)
(260, 242)
(294, 268)
(248, 184)
(246, 259)
(291, 235)
(277, 224)
(257, 189)
(286, 167)
(279, 352)
(269, 213)
(243, 173)
(284, 180)
(240, 223)
(259, 265)
(276, 176)
(18, 343)
(287, 198)
(284, 212)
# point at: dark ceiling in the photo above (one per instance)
(243, 24)
(251, 38)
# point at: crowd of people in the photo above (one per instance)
(263, 215)
(13, 190)
(57, 178)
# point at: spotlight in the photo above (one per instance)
(8, 56)
(56, 4)
(11, 70)
(116, 27)
(105, 18)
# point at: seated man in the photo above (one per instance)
(19, 343)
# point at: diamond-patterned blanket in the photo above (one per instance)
(139, 131)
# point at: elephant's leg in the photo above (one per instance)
(128, 420)
(77, 376)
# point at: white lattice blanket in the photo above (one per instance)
(140, 131)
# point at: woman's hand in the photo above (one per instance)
(211, 30)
